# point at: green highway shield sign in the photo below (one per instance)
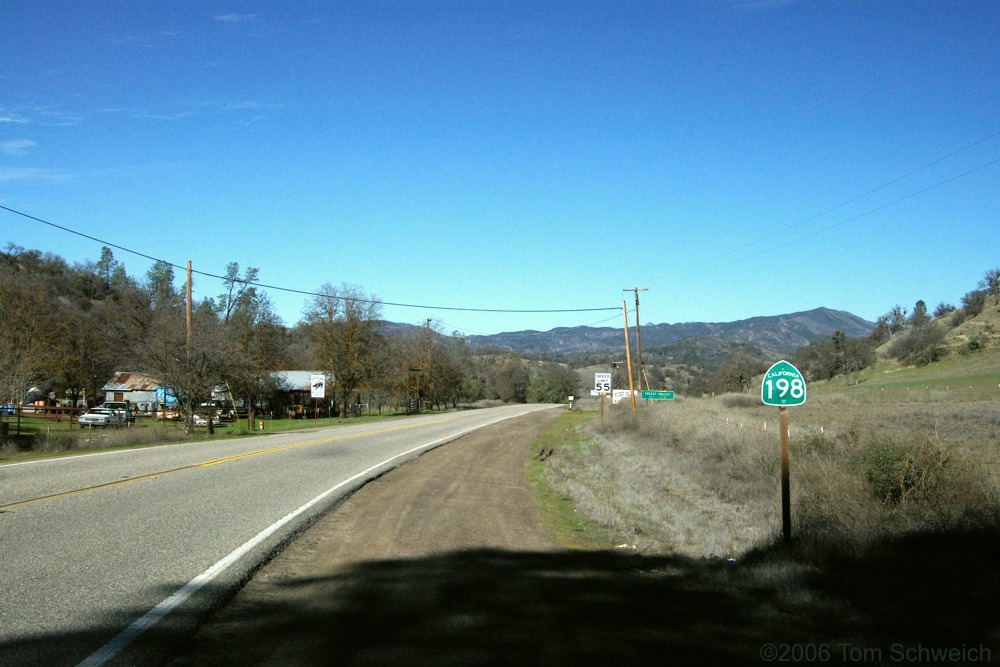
(657, 395)
(783, 385)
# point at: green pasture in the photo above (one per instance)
(956, 377)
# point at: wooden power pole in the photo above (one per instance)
(638, 343)
(628, 356)
(188, 306)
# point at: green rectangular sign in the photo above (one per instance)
(658, 395)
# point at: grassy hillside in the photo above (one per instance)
(969, 370)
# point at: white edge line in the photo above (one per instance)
(117, 644)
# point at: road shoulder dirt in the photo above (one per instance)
(470, 495)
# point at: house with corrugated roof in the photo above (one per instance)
(142, 391)
(145, 393)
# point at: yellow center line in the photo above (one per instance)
(212, 462)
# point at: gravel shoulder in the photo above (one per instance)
(380, 553)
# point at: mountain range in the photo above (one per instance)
(780, 333)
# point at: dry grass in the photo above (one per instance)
(895, 516)
(55, 441)
(700, 477)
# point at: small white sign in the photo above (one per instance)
(317, 386)
(602, 382)
(619, 394)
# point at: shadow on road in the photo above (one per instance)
(578, 608)
(492, 607)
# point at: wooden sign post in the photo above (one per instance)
(784, 386)
(602, 386)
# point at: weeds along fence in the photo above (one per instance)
(701, 476)
(48, 440)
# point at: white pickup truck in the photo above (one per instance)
(123, 408)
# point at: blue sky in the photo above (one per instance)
(737, 158)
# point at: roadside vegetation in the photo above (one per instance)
(899, 449)
(701, 477)
(900, 435)
(895, 500)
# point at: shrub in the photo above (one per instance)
(899, 474)
(973, 302)
(976, 342)
(53, 441)
(919, 346)
(740, 400)
(943, 309)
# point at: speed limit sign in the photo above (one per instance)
(602, 383)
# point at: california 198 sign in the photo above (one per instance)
(783, 385)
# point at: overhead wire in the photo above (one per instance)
(685, 271)
(845, 221)
(299, 291)
(786, 229)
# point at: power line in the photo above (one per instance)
(847, 220)
(841, 205)
(304, 292)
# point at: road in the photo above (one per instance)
(99, 552)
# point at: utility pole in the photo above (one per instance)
(638, 344)
(189, 410)
(188, 306)
(628, 356)
(430, 350)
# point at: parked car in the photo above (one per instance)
(202, 420)
(100, 417)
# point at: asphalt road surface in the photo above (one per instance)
(99, 553)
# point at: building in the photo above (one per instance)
(141, 390)
(144, 392)
(298, 393)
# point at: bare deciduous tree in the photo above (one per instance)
(345, 326)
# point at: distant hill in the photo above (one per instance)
(781, 333)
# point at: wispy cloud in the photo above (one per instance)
(178, 115)
(32, 174)
(236, 18)
(250, 106)
(47, 115)
(16, 147)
